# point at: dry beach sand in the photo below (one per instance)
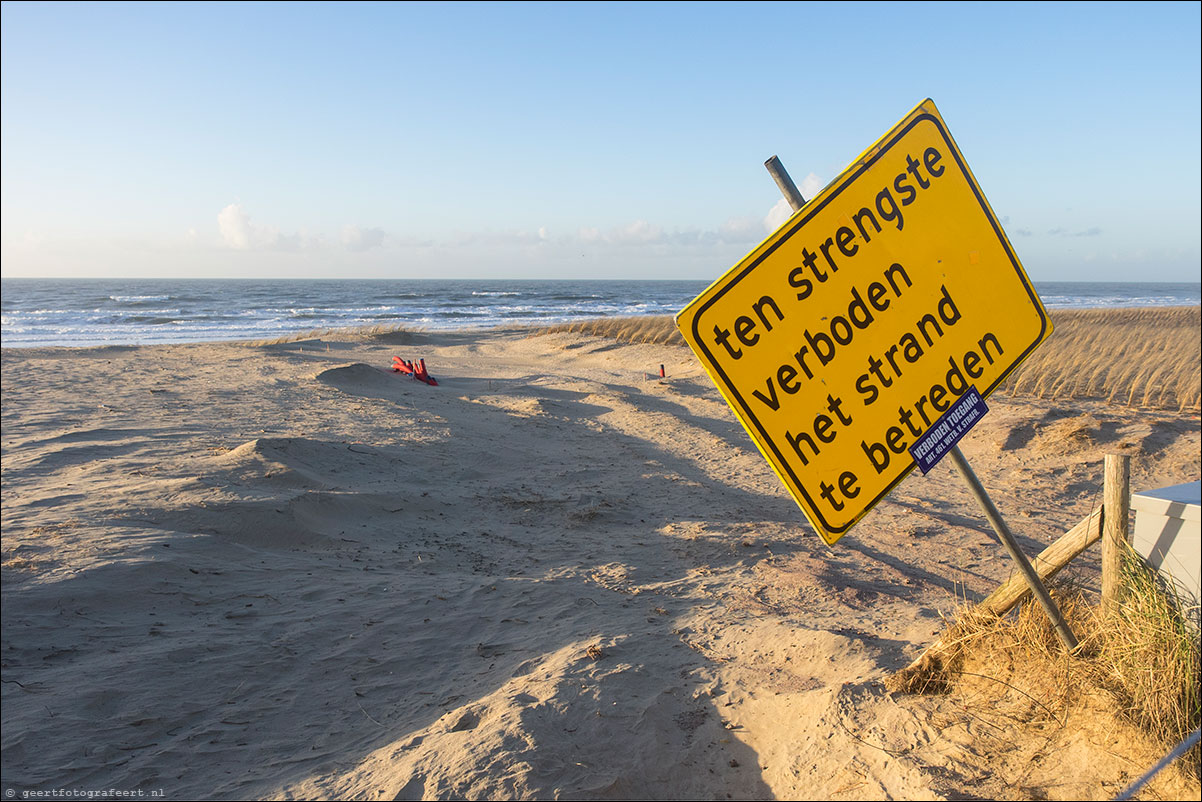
(282, 571)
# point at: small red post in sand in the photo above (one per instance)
(661, 371)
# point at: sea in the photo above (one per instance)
(90, 312)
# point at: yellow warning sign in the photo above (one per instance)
(848, 332)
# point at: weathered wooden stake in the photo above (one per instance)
(1116, 504)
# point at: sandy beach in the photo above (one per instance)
(284, 571)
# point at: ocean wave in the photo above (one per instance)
(153, 320)
(137, 299)
(39, 312)
(135, 314)
(329, 311)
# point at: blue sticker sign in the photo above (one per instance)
(948, 429)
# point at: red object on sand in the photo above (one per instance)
(417, 371)
(422, 376)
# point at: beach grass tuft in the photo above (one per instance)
(1149, 654)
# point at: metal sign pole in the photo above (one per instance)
(1024, 565)
(787, 187)
(793, 196)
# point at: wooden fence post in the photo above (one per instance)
(1116, 512)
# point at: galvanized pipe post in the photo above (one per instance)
(787, 187)
(1063, 631)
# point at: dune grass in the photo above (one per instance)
(653, 329)
(1144, 357)
(1139, 665)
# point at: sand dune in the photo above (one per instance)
(283, 571)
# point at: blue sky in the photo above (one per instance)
(572, 140)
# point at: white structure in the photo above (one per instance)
(1168, 534)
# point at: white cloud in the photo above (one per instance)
(235, 227)
(499, 239)
(357, 238)
(238, 231)
(811, 185)
(638, 232)
(741, 229)
(781, 211)
(241, 234)
(777, 215)
(643, 234)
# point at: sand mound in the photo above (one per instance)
(364, 380)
